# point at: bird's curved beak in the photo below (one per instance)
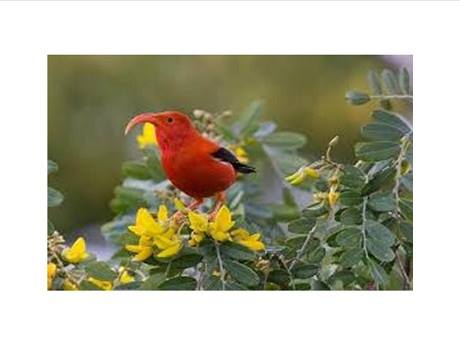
(141, 118)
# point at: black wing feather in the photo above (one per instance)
(226, 156)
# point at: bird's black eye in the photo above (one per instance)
(170, 119)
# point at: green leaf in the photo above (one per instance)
(378, 273)
(302, 225)
(380, 232)
(379, 241)
(129, 286)
(315, 211)
(88, 286)
(241, 273)
(351, 257)
(374, 83)
(51, 227)
(379, 250)
(352, 177)
(55, 197)
(285, 140)
(304, 271)
(377, 150)
(153, 164)
(100, 270)
(153, 282)
(296, 242)
(316, 255)
(135, 169)
(246, 124)
(379, 180)
(186, 260)
(237, 251)
(381, 131)
(350, 198)
(52, 167)
(357, 97)
(279, 276)
(178, 284)
(392, 119)
(382, 202)
(351, 216)
(404, 80)
(349, 237)
(233, 286)
(406, 207)
(405, 228)
(390, 82)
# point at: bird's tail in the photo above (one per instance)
(244, 169)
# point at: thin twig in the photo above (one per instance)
(221, 265)
(407, 282)
(389, 97)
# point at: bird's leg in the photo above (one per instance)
(220, 200)
(192, 206)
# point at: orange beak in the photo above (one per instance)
(141, 118)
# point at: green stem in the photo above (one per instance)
(389, 97)
(221, 265)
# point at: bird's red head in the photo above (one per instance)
(171, 127)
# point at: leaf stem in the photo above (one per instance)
(389, 97)
(407, 282)
(221, 265)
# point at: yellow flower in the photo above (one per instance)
(243, 237)
(77, 252)
(333, 197)
(125, 277)
(52, 269)
(69, 286)
(198, 221)
(155, 236)
(148, 136)
(145, 224)
(302, 175)
(102, 284)
(222, 224)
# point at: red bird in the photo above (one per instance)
(194, 164)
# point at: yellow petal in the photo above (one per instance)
(136, 229)
(170, 251)
(253, 245)
(148, 136)
(103, 284)
(198, 222)
(126, 278)
(145, 220)
(79, 246)
(69, 286)
(134, 248)
(240, 233)
(163, 242)
(143, 254)
(52, 268)
(179, 204)
(223, 221)
(220, 235)
(162, 214)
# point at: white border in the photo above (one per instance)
(32, 30)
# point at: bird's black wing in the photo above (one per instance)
(226, 156)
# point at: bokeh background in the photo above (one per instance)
(91, 98)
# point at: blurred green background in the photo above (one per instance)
(91, 98)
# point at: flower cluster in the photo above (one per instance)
(77, 252)
(156, 237)
(220, 229)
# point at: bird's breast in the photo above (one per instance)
(198, 174)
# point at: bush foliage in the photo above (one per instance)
(355, 234)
